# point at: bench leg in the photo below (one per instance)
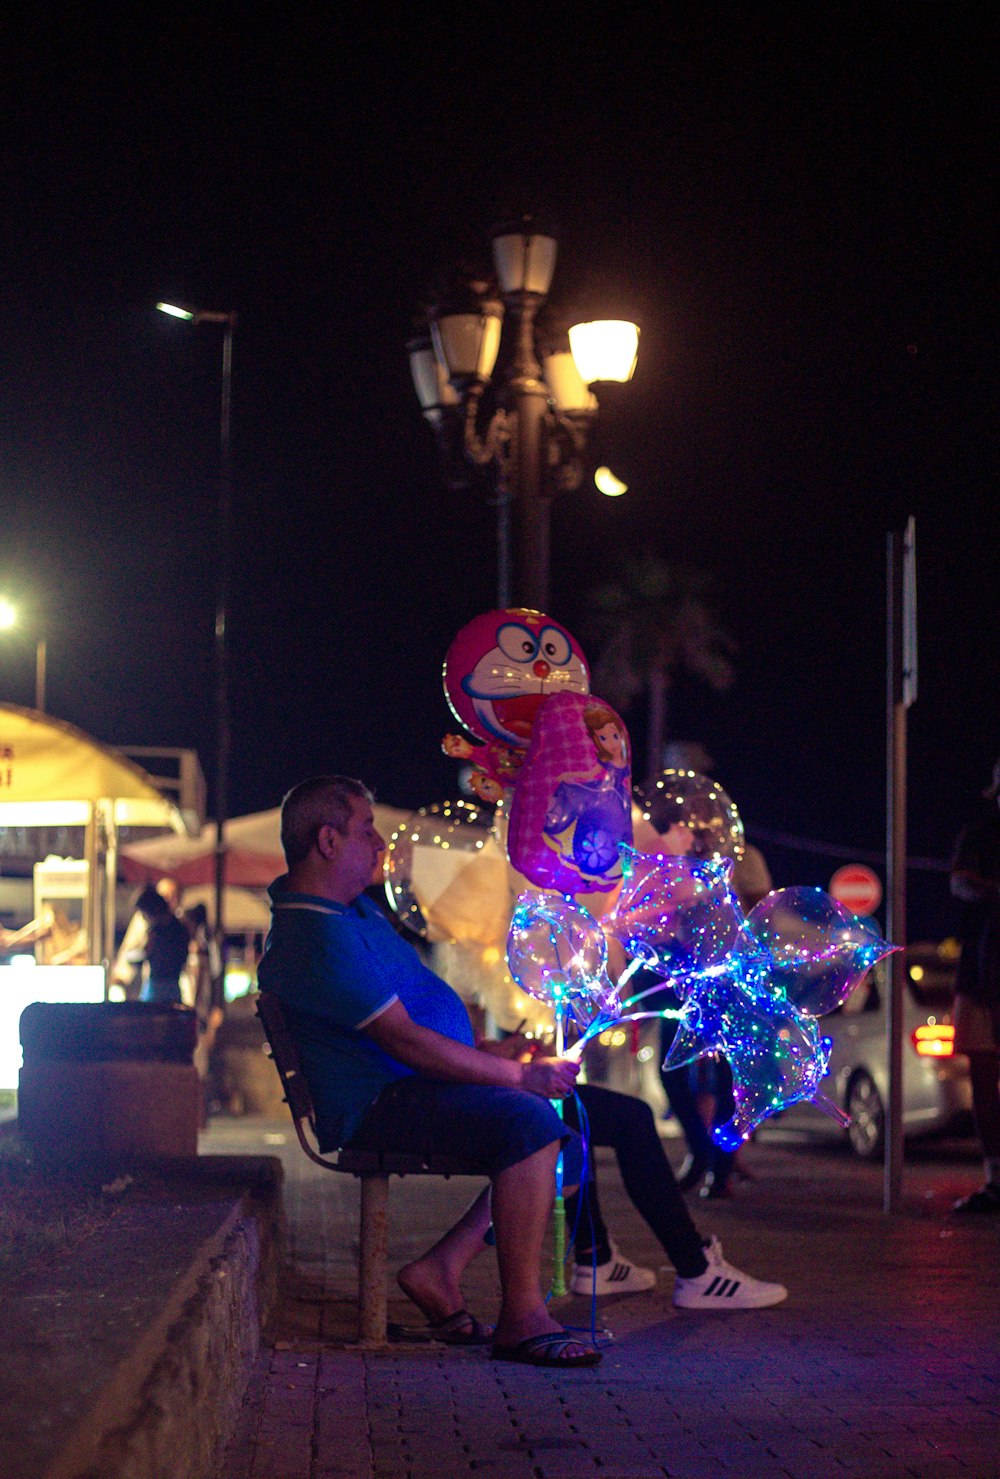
(373, 1271)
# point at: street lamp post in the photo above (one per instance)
(223, 587)
(533, 433)
(8, 619)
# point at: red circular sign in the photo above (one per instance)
(857, 888)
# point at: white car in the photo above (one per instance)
(936, 1090)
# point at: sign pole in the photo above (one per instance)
(901, 691)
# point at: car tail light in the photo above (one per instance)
(934, 1040)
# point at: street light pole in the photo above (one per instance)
(222, 705)
(224, 564)
(529, 400)
(41, 655)
(532, 434)
(9, 619)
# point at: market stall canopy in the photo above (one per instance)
(52, 774)
(253, 851)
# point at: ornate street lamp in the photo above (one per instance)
(223, 584)
(526, 415)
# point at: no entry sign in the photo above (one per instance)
(857, 888)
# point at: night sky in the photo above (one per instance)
(795, 202)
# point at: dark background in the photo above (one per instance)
(795, 202)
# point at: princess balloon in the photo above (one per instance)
(572, 807)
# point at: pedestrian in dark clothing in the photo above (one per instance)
(975, 880)
(166, 950)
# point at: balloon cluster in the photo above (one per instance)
(751, 986)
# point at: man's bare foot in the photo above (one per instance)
(428, 1285)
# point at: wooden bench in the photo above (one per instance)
(372, 1168)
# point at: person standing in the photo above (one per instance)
(700, 1095)
(975, 882)
(166, 949)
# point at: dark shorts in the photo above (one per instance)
(488, 1128)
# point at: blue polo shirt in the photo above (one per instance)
(335, 967)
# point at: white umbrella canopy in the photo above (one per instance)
(253, 851)
(245, 911)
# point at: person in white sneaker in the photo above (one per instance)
(626, 1124)
(704, 1279)
(724, 1287)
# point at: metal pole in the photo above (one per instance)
(895, 874)
(559, 1202)
(530, 403)
(41, 653)
(503, 544)
(222, 720)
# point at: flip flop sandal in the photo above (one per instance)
(461, 1328)
(546, 1350)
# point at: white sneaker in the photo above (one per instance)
(723, 1287)
(617, 1276)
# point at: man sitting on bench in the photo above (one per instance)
(388, 1054)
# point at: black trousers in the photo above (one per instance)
(627, 1125)
(986, 1101)
(677, 1083)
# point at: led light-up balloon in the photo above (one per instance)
(557, 953)
(692, 813)
(798, 956)
(678, 913)
(679, 916)
(818, 950)
(427, 880)
(775, 1051)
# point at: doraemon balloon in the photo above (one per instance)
(497, 672)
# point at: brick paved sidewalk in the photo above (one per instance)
(883, 1362)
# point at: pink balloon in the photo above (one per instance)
(502, 665)
(571, 809)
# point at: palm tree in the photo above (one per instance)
(658, 619)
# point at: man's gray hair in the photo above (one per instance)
(326, 800)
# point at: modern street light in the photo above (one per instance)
(527, 424)
(223, 585)
(9, 619)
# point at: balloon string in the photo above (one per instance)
(604, 1021)
(666, 984)
(559, 1206)
(827, 1105)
